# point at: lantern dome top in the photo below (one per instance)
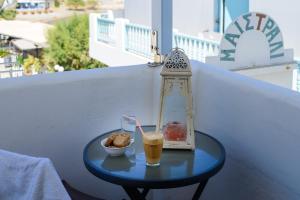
(177, 63)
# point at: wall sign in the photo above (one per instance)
(258, 22)
(253, 39)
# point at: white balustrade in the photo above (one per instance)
(106, 30)
(138, 40)
(194, 47)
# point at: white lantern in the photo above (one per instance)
(175, 119)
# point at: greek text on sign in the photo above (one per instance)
(251, 22)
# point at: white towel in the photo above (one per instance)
(29, 178)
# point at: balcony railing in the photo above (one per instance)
(9, 67)
(194, 47)
(138, 40)
(106, 30)
(11, 72)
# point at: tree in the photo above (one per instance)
(1, 3)
(19, 60)
(75, 3)
(32, 65)
(56, 3)
(8, 14)
(68, 45)
(4, 53)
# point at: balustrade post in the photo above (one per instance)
(120, 33)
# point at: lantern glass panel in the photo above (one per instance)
(174, 111)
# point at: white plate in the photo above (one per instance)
(115, 151)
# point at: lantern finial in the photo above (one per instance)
(176, 63)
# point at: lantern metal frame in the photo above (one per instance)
(177, 69)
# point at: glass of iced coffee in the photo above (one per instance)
(153, 143)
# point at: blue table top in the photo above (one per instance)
(177, 167)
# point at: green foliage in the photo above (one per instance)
(56, 3)
(4, 53)
(9, 14)
(20, 59)
(75, 3)
(31, 65)
(68, 45)
(1, 3)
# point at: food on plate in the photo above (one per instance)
(110, 140)
(118, 140)
(121, 140)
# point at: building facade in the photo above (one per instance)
(198, 26)
(197, 17)
(191, 16)
(32, 5)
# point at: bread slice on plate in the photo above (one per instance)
(110, 140)
(121, 140)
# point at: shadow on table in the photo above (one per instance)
(119, 163)
(172, 165)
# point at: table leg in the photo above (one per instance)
(200, 189)
(135, 194)
(145, 192)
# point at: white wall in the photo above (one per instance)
(193, 16)
(259, 125)
(138, 11)
(286, 14)
(189, 16)
(284, 76)
(56, 115)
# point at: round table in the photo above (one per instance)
(177, 167)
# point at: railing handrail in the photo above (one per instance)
(138, 26)
(106, 20)
(175, 34)
(195, 38)
(13, 70)
(138, 40)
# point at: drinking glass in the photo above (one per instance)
(128, 125)
(153, 143)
